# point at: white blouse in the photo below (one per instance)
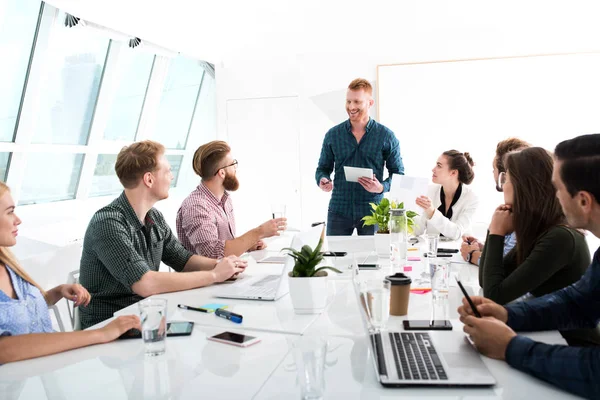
(462, 214)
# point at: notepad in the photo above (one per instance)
(353, 173)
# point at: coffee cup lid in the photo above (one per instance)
(399, 279)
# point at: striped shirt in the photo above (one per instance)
(378, 147)
(204, 222)
(117, 251)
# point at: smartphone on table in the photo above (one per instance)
(174, 328)
(369, 266)
(235, 339)
(427, 325)
(334, 253)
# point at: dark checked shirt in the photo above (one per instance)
(574, 369)
(117, 251)
(378, 147)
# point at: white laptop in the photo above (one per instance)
(262, 287)
(310, 237)
(425, 358)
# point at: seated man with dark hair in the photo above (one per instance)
(575, 369)
(126, 241)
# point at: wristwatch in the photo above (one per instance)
(470, 255)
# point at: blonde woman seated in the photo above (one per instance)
(25, 327)
(449, 205)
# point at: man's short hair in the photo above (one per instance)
(208, 158)
(360, 83)
(507, 146)
(580, 159)
(135, 160)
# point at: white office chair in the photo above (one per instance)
(73, 277)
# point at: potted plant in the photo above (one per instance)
(381, 217)
(308, 281)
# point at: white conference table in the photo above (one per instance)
(194, 367)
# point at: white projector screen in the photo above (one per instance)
(471, 105)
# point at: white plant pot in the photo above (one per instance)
(309, 295)
(382, 244)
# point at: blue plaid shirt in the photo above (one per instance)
(574, 369)
(377, 147)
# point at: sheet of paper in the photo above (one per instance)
(353, 173)
(406, 189)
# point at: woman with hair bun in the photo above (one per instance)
(449, 205)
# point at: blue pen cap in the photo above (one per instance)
(237, 320)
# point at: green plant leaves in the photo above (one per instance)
(307, 260)
(381, 216)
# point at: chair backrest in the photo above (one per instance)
(49, 269)
(73, 277)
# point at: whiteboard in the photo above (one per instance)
(471, 105)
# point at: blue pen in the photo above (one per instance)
(233, 317)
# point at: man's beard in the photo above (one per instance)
(231, 183)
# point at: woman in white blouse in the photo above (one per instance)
(450, 204)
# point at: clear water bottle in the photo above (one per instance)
(398, 238)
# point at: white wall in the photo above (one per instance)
(448, 32)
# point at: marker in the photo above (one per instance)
(233, 317)
(184, 307)
(439, 255)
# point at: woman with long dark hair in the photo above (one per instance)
(549, 255)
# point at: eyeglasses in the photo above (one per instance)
(234, 163)
(501, 180)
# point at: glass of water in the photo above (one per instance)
(375, 298)
(153, 317)
(310, 353)
(440, 276)
(432, 244)
(278, 210)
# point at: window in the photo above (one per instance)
(178, 102)
(129, 99)
(175, 162)
(75, 62)
(4, 163)
(50, 177)
(17, 30)
(105, 179)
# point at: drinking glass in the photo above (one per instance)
(432, 244)
(309, 353)
(375, 298)
(153, 316)
(278, 210)
(440, 276)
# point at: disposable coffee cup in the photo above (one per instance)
(399, 293)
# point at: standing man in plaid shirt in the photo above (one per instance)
(362, 142)
(126, 241)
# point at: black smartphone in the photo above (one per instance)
(176, 328)
(427, 325)
(334, 253)
(443, 250)
(462, 289)
(369, 266)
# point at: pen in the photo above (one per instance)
(233, 317)
(439, 255)
(184, 307)
(471, 304)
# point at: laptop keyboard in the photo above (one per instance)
(414, 356)
(266, 279)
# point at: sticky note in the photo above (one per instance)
(413, 258)
(407, 268)
(413, 249)
(211, 307)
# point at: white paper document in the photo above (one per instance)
(407, 188)
(353, 173)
